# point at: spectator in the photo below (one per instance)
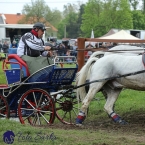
(61, 50)
(74, 49)
(89, 53)
(14, 44)
(5, 48)
(109, 45)
(89, 45)
(0, 46)
(68, 53)
(96, 45)
(114, 44)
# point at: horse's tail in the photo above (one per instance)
(82, 76)
(97, 54)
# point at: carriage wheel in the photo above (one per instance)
(36, 107)
(4, 108)
(67, 108)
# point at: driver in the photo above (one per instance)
(31, 49)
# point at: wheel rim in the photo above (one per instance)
(67, 109)
(4, 108)
(36, 107)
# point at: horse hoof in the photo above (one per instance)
(123, 122)
(78, 124)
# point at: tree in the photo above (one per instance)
(90, 18)
(69, 8)
(138, 20)
(35, 12)
(134, 4)
(54, 17)
(79, 22)
(101, 16)
(38, 11)
(69, 24)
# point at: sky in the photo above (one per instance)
(16, 6)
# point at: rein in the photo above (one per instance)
(106, 79)
(109, 50)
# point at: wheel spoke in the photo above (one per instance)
(35, 99)
(59, 108)
(40, 100)
(39, 122)
(44, 118)
(70, 117)
(35, 119)
(2, 115)
(29, 103)
(64, 115)
(48, 112)
(2, 107)
(28, 116)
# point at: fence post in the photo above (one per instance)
(80, 54)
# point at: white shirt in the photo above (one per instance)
(33, 42)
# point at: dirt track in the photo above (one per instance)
(135, 130)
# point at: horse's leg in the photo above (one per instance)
(112, 95)
(83, 112)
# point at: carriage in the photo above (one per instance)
(38, 98)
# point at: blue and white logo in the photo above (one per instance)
(8, 137)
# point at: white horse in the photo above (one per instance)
(107, 67)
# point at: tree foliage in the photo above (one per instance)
(35, 11)
(138, 19)
(38, 11)
(101, 16)
(69, 24)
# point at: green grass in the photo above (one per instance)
(129, 102)
(2, 75)
(63, 136)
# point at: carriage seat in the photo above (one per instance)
(16, 58)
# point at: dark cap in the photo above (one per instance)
(39, 26)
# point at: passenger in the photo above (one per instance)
(31, 49)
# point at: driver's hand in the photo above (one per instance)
(50, 53)
(47, 48)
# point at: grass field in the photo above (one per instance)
(2, 75)
(95, 132)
